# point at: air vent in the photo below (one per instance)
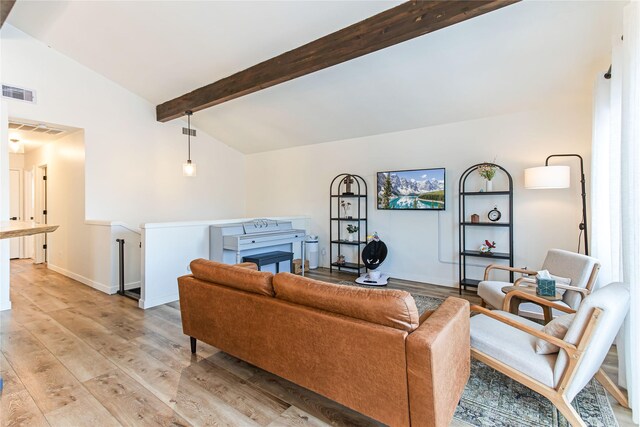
(39, 128)
(19, 93)
(185, 131)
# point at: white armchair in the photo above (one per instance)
(507, 343)
(581, 269)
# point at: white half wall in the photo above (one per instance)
(423, 246)
(168, 248)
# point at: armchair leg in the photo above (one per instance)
(612, 388)
(565, 408)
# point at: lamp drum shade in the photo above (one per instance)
(547, 177)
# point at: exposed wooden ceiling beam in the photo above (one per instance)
(5, 8)
(393, 26)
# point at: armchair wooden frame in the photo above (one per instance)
(527, 281)
(575, 352)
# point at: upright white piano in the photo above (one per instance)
(229, 243)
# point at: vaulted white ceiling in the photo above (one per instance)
(523, 56)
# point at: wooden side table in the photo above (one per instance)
(514, 306)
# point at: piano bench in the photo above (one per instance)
(275, 257)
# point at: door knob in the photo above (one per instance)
(14, 218)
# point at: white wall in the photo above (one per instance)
(16, 161)
(5, 302)
(69, 248)
(133, 163)
(133, 169)
(423, 245)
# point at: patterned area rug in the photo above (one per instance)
(492, 399)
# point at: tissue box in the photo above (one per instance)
(546, 287)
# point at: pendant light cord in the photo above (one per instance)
(189, 113)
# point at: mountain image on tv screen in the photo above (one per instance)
(421, 189)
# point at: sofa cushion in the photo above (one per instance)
(240, 276)
(387, 307)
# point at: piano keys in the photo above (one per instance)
(229, 243)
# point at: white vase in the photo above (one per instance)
(350, 237)
(488, 185)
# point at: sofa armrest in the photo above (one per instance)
(438, 363)
(424, 316)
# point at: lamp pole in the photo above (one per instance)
(583, 224)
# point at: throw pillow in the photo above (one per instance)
(561, 281)
(558, 328)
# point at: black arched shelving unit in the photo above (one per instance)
(466, 224)
(351, 189)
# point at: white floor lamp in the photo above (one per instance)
(552, 177)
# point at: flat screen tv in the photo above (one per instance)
(419, 189)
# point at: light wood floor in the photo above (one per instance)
(73, 356)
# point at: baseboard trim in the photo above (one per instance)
(144, 304)
(132, 285)
(84, 280)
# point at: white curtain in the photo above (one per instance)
(606, 231)
(630, 207)
(615, 201)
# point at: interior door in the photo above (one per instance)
(15, 197)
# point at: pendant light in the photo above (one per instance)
(189, 168)
(14, 145)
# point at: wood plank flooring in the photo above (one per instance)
(73, 356)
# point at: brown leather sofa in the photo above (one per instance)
(364, 348)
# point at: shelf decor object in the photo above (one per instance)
(487, 171)
(495, 218)
(486, 247)
(554, 177)
(347, 206)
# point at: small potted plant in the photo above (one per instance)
(487, 171)
(352, 229)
